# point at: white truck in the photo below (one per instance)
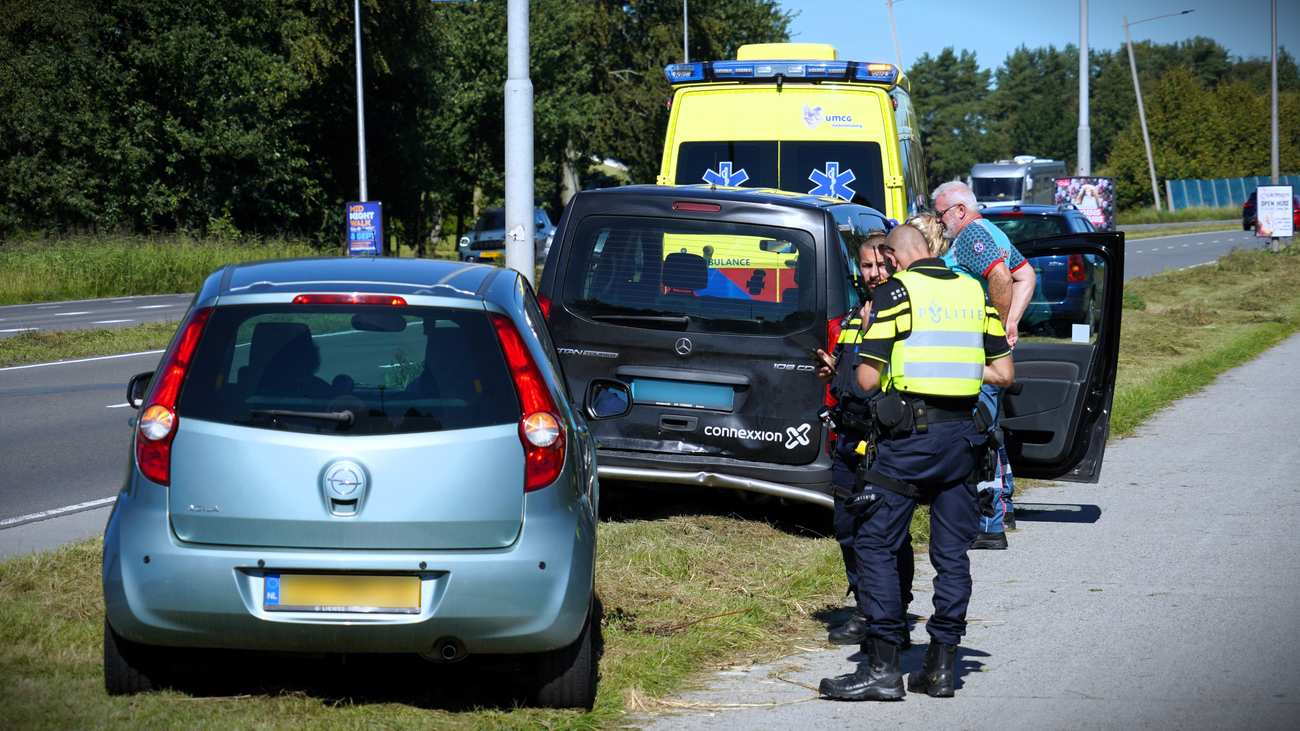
(1022, 179)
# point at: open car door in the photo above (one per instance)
(1057, 422)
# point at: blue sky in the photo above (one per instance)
(994, 28)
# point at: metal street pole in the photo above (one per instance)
(361, 111)
(1142, 117)
(1137, 89)
(519, 143)
(1084, 165)
(1275, 170)
(686, 33)
(893, 30)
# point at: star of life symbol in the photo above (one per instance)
(833, 182)
(725, 176)
(798, 437)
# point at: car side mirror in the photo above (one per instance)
(136, 388)
(608, 399)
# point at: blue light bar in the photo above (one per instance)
(682, 73)
(794, 71)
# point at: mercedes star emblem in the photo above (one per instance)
(683, 347)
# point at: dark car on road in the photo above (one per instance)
(1249, 215)
(707, 303)
(1065, 294)
(486, 242)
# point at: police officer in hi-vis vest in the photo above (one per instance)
(936, 340)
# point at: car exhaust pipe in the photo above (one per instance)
(446, 650)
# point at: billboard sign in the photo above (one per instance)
(365, 226)
(1094, 197)
(1273, 211)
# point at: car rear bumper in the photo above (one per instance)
(806, 483)
(530, 597)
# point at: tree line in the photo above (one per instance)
(164, 115)
(167, 115)
(1207, 113)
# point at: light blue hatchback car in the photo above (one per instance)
(358, 455)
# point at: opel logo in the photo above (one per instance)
(683, 347)
(344, 480)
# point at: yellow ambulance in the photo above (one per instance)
(794, 117)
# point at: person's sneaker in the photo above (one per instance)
(990, 542)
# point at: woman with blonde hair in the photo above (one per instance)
(932, 229)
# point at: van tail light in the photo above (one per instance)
(540, 429)
(544, 303)
(158, 418)
(1076, 273)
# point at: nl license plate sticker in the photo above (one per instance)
(348, 593)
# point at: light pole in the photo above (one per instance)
(686, 33)
(1084, 152)
(893, 30)
(361, 111)
(1137, 89)
(519, 143)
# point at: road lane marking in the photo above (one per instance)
(80, 360)
(109, 322)
(1169, 247)
(117, 406)
(154, 307)
(70, 314)
(19, 329)
(55, 512)
(65, 303)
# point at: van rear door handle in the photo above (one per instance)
(678, 423)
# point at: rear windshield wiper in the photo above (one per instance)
(344, 417)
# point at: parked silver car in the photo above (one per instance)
(357, 455)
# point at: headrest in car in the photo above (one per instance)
(685, 271)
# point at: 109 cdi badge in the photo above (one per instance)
(357, 456)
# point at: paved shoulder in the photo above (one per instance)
(1168, 595)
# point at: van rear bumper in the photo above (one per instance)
(809, 484)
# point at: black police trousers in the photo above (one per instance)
(844, 466)
(939, 462)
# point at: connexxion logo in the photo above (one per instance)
(794, 436)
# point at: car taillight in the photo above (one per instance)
(349, 299)
(545, 304)
(540, 429)
(1076, 273)
(158, 418)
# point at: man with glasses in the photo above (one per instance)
(980, 249)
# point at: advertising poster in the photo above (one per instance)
(1094, 197)
(365, 225)
(1273, 211)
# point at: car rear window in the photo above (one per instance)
(395, 369)
(1026, 228)
(705, 276)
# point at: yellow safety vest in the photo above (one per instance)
(943, 354)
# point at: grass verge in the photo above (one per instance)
(702, 583)
(1179, 231)
(52, 345)
(86, 267)
(1198, 213)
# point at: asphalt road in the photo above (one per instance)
(1167, 596)
(92, 314)
(65, 446)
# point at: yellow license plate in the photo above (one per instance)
(489, 254)
(341, 593)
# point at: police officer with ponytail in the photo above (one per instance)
(935, 339)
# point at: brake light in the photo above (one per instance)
(158, 419)
(696, 207)
(1075, 272)
(540, 429)
(544, 303)
(349, 299)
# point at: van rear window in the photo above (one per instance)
(690, 275)
(852, 171)
(394, 370)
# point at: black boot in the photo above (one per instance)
(938, 677)
(851, 632)
(990, 542)
(878, 679)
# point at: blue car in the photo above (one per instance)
(1066, 291)
(358, 456)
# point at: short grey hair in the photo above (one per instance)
(954, 189)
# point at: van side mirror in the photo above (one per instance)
(608, 399)
(136, 388)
